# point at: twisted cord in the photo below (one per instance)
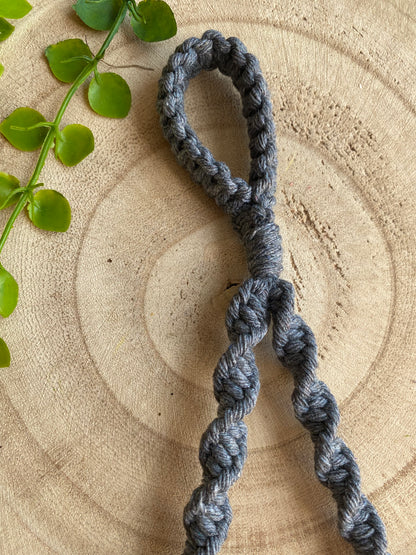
(315, 407)
(262, 297)
(223, 447)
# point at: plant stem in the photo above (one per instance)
(17, 209)
(49, 139)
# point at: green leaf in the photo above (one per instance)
(8, 184)
(74, 143)
(9, 293)
(6, 29)
(4, 354)
(26, 139)
(1, 69)
(156, 21)
(14, 9)
(109, 95)
(50, 210)
(67, 59)
(98, 14)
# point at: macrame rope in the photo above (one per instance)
(261, 298)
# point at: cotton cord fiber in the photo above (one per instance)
(263, 298)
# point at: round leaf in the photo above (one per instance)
(109, 95)
(8, 183)
(50, 210)
(4, 354)
(25, 139)
(156, 23)
(98, 14)
(65, 59)
(9, 293)
(6, 29)
(74, 143)
(14, 9)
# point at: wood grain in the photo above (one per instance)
(121, 319)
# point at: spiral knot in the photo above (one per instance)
(207, 522)
(223, 453)
(247, 315)
(316, 408)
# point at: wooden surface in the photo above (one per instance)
(121, 320)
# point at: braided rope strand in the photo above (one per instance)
(223, 447)
(260, 299)
(315, 407)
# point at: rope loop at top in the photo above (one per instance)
(249, 204)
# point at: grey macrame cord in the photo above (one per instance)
(262, 298)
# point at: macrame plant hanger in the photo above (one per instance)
(262, 298)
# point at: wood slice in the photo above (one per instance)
(120, 321)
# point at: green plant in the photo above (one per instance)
(12, 9)
(71, 61)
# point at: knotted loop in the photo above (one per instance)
(262, 297)
(250, 204)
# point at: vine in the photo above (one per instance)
(71, 61)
